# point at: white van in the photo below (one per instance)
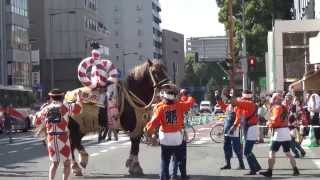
(205, 106)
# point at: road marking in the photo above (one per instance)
(202, 140)
(104, 151)
(94, 154)
(203, 129)
(10, 152)
(24, 142)
(27, 148)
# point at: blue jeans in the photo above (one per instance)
(295, 147)
(251, 158)
(183, 164)
(229, 144)
(166, 153)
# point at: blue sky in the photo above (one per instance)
(192, 18)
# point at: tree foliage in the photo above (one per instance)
(259, 17)
(208, 75)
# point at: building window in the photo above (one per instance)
(175, 52)
(116, 21)
(117, 45)
(115, 8)
(117, 58)
(116, 33)
(139, 7)
(175, 39)
(140, 44)
(18, 73)
(139, 20)
(19, 37)
(91, 4)
(19, 7)
(139, 32)
(140, 57)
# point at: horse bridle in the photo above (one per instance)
(155, 84)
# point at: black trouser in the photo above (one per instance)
(229, 144)
(183, 164)
(166, 153)
(315, 122)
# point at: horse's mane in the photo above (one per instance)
(141, 71)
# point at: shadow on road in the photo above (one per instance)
(156, 176)
(12, 174)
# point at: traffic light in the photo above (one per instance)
(252, 63)
(196, 57)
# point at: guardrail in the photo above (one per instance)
(204, 118)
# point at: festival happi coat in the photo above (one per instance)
(55, 117)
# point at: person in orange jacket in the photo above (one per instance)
(281, 135)
(169, 116)
(231, 140)
(248, 121)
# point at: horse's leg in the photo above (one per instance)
(133, 162)
(83, 155)
(75, 141)
(76, 170)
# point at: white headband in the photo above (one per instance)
(248, 96)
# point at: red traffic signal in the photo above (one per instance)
(251, 61)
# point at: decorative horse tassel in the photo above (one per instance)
(83, 157)
(76, 170)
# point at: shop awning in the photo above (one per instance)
(310, 81)
(296, 86)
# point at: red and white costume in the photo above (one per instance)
(57, 131)
(103, 74)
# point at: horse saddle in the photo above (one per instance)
(89, 96)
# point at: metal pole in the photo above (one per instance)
(51, 54)
(305, 53)
(244, 52)
(231, 43)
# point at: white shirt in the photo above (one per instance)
(313, 104)
(281, 134)
(253, 133)
(170, 138)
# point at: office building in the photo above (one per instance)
(135, 29)
(173, 54)
(210, 49)
(15, 53)
(63, 31)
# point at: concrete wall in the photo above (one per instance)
(281, 27)
(173, 54)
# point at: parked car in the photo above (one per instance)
(205, 107)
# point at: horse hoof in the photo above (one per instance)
(77, 174)
(136, 169)
(128, 163)
(84, 157)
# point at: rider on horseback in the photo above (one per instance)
(104, 79)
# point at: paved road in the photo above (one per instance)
(26, 158)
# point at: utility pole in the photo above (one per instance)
(231, 43)
(244, 60)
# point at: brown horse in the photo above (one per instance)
(137, 91)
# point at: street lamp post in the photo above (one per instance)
(51, 43)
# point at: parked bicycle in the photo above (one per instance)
(216, 132)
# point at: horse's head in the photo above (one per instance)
(157, 72)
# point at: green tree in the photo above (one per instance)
(259, 17)
(208, 75)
